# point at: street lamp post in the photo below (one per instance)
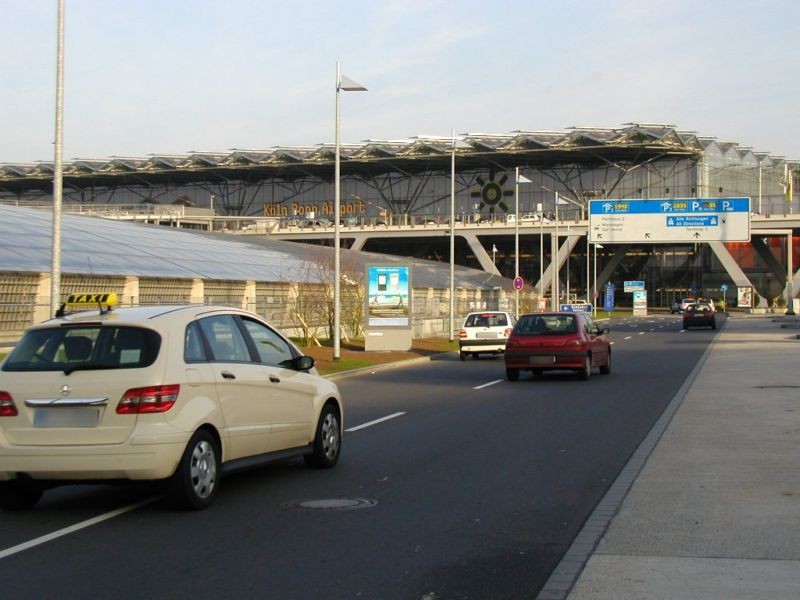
(452, 235)
(789, 276)
(540, 206)
(517, 180)
(556, 293)
(55, 273)
(569, 243)
(347, 85)
(594, 288)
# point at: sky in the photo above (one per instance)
(178, 76)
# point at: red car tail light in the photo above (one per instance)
(7, 406)
(576, 342)
(145, 400)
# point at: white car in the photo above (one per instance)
(484, 332)
(182, 394)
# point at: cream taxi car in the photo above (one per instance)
(182, 394)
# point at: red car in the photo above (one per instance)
(557, 341)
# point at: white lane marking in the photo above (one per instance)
(485, 385)
(73, 528)
(627, 337)
(375, 422)
(611, 343)
(641, 333)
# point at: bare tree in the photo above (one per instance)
(314, 303)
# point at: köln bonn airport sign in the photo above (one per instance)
(669, 220)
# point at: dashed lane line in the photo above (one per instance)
(73, 528)
(485, 385)
(375, 422)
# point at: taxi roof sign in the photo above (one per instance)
(107, 300)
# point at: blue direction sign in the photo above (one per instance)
(669, 220)
(587, 308)
(632, 286)
(609, 304)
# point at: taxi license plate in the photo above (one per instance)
(66, 417)
(486, 335)
(541, 360)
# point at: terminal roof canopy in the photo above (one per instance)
(96, 246)
(640, 142)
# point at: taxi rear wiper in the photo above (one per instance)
(69, 369)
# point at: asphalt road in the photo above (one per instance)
(454, 484)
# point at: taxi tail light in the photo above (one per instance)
(7, 406)
(462, 333)
(507, 331)
(146, 400)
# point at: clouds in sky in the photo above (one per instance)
(170, 77)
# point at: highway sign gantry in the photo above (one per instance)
(669, 220)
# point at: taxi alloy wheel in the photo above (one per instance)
(19, 495)
(195, 482)
(327, 441)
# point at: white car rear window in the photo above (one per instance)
(486, 320)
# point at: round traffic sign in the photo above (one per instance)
(724, 287)
(518, 283)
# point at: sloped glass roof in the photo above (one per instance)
(96, 246)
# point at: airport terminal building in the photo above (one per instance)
(397, 198)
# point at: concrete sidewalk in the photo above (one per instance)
(712, 509)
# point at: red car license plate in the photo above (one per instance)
(541, 360)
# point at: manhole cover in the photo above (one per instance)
(330, 503)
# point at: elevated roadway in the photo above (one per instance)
(568, 232)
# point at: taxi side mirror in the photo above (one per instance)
(303, 363)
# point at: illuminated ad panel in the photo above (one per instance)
(388, 296)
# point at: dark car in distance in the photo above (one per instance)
(557, 341)
(699, 315)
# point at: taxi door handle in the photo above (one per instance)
(228, 375)
(274, 379)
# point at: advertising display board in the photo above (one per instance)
(388, 296)
(744, 297)
(388, 307)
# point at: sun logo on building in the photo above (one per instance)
(492, 193)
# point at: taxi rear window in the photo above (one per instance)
(84, 348)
